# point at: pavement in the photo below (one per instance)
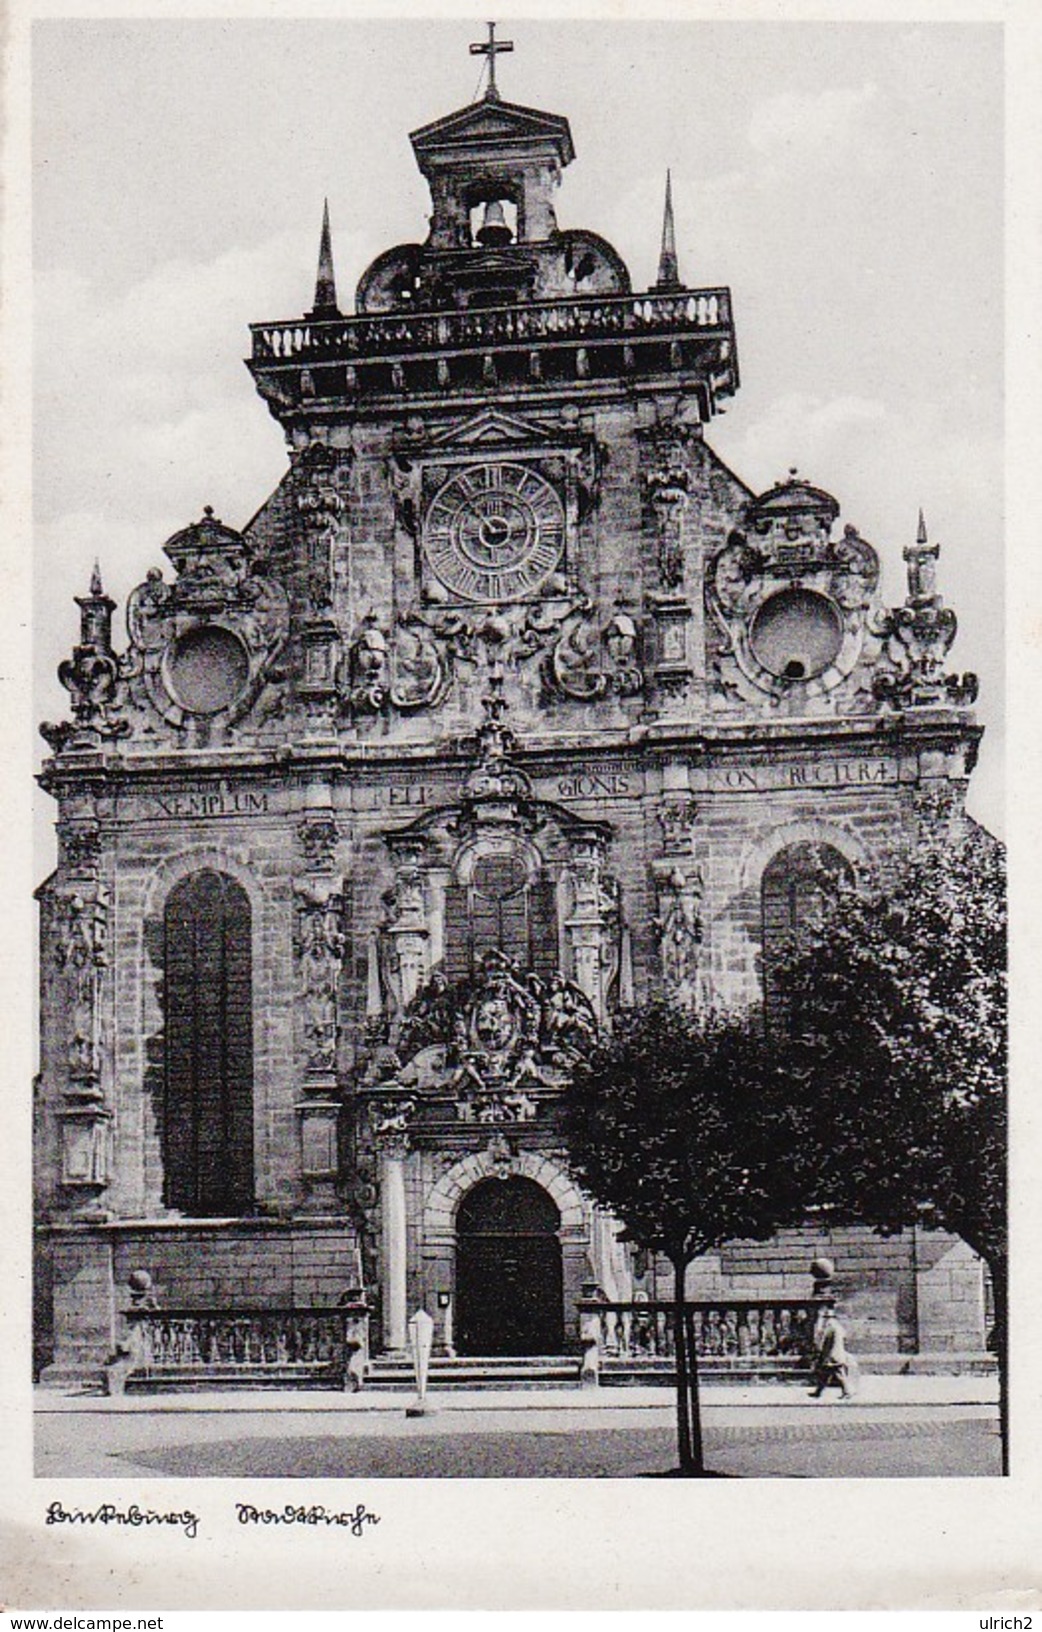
(897, 1427)
(875, 1391)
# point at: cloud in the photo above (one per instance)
(828, 127)
(173, 409)
(813, 433)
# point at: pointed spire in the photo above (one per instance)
(920, 537)
(325, 282)
(96, 609)
(668, 267)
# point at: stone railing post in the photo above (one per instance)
(356, 1340)
(591, 1336)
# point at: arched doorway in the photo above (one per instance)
(509, 1290)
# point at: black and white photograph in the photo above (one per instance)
(518, 552)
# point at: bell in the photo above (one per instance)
(494, 230)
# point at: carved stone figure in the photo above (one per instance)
(320, 946)
(678, 928)
(668, 492)
(81, 950)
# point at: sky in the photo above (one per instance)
(845, 180)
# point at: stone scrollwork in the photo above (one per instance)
(93, 678)
(319, 476)
(665, 488)
(407, 670)
(319, 836)
(418, 670)
(736, 576)
(368, 676)
(319, 945)
(667, 495)
(918, 636)
(202, 647)
(496, 1042)
(677, 818)
(594, 657)
(793, 608)
(586, 654)
(391, 1118)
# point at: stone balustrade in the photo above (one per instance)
(583, 320)
(182, 1347)
(733, 1336)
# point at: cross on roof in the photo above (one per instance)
(491, 48)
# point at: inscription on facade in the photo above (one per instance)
(823, 773)
(209, 802)
(402, 796)
(602, 782)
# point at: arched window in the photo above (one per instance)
(793, 885)
(208, 1048)
(500, 908)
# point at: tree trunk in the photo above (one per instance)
(998, 1264)
(697, 1451)
(687, 1461)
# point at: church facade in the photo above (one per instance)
(512, 706)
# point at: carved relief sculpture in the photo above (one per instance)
(319, 947)
(495, 1042)
(595, 656)
(678, 930)
(919, 635)
(319, 475)
(81, 951)
(794, 611)
(92, 677)
(202, 647)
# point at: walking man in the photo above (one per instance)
(831, 1361)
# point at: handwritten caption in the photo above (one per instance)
(133, 1516)
(357, 1520)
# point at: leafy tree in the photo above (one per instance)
(683, 1126)
(895, 1001)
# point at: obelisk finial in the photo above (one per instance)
(668, 267)
(325, 282)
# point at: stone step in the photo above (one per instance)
(477, 1371)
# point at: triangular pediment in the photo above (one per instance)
(493, 428)
(486, 123)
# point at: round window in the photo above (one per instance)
(209, 669)
(796, 634)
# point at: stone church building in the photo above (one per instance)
(512, 683)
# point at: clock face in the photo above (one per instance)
(494, 532)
